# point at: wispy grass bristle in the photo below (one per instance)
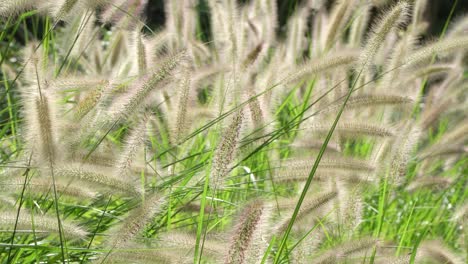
(97, 175)
(372, 100)
(136, 138)
(440, 48)
(134, 223)
(41, 223)
(437, 251)
(319, 65)
(429, 183)
(243, 237)
(310, 206)
(342, 251)
(392, 19)
(355, 129)
(224, 154)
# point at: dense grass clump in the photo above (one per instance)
(343, 141)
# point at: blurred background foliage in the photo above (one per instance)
(436, 14)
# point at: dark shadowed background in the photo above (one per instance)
(436, 14)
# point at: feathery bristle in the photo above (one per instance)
(243, 236)
(97, 175)
(91, 99)
(123, 13)
(331, 162)
(429, 182)
(355, 129)
(141, 90)
(259, 244)
(133, 142)
(41, 223)
(14, 7)
(225, 152)
(309, 206)
(308, 143)
(393, 260)
(392, 19)
(60, 9)
(318, 65)
(136, 221)
(46, 145)
(181, 118)
(340, 16)
(179, 240)
(442, 47)
(406, 141)
(435, 250)
(141, 53)
(41, 186)
(293, 174)
(136, 253)
(80, 83)
(370, 100)
(457, 134)
(430, 115)
(343, 251)
(256, 111)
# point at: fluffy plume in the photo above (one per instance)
(442, 47)
(41, 223)
(41, 121)
(181, 123)
(183, 241)
(47, 147)
(14, 7)
(91, 99)
(393, 260)
(359, 25)
(123, 13)
(136, 221)
(295, 174)
(355, 129)
(429, 182)
(438, 252)
(133, 142)
(332, 162)
(141, 89)
(318, 65)
(393, 18)
(42, 186)
(224, 154)
(340, 16)
(145, 255)
(405, 144)
(141, 53)
(343, 251)
(308, 143)
(310, 205)
(97, 175)
(62, 8)
(371, 100)
(249, 228)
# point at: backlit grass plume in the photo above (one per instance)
(41, 223)
(246, 236)
(224, 154)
